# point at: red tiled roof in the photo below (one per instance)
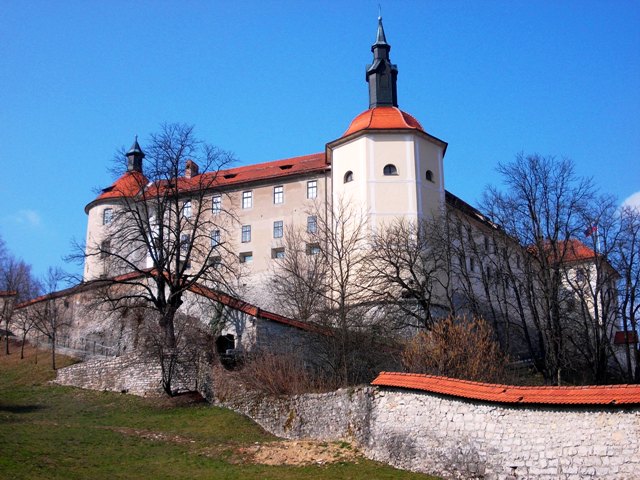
(590, 395)
(622, 338)
(225, 299)
(572, 250)
(131, 182)
(127, 185)
(255, 311)
(380, 118)
(576, 251)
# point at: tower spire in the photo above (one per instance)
(134, 157)
(382, 75)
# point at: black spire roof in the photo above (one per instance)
(382, 74)
(134, 157)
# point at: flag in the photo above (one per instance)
(590, 230)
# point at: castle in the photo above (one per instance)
(385, 165)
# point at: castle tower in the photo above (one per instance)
(103, 210)
(386, 163)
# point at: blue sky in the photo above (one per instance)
(270, 80)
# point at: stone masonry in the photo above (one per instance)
(456, 438)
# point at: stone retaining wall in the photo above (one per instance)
(131, 373)
(457, 438)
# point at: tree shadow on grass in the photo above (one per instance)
(21, 408)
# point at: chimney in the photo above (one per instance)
(190, 169)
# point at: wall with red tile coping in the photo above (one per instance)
(457, 437)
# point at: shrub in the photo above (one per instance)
(457, 347)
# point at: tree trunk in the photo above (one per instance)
(6, 334)
(53, 351)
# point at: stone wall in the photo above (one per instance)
(456, 438)
(130, 373)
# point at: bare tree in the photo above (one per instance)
(327, 270)
(541, 209)
(164, 234)
(15, 277)
(627, 264)
(24, 322)
(298, 279)
(410, 270)
(49, 318)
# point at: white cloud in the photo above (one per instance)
(28, 217)
(633, 200)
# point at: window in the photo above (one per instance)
(216, 204)
(246, 233)
(486, 244)
(312, 189)
(390, 169)
(247, 199)
(313, 249)
(278, 194)
(215, 238)
(215, 262)
(185, 239)
(581, 275)
(277, 229)
(312, 224)
(348, 177)
(246, 257)
(186, 209)
(277, 252)
(472, 265)
(429, 175)
(105, 248)
(107, 216)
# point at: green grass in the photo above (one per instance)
(54, 432)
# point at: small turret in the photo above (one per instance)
(382, 74)
(134, 157)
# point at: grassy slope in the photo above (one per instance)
(53, 432)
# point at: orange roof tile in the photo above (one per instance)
(589, 395)
(622, 338)
(571, 251)
(576, 250)
(127, 185)
(130, 183)
(223, 298)
(380, 118)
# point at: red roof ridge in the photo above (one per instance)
(254, 310)
(580, 395)
(130, 183)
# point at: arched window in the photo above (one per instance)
(348, 177)
(429, 175)
(390, 169)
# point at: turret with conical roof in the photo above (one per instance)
(382, 74)
(134, 157)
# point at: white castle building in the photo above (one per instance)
(385, 164)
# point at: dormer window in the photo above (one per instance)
(348, 177)
(390, 169)
(429, 175)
